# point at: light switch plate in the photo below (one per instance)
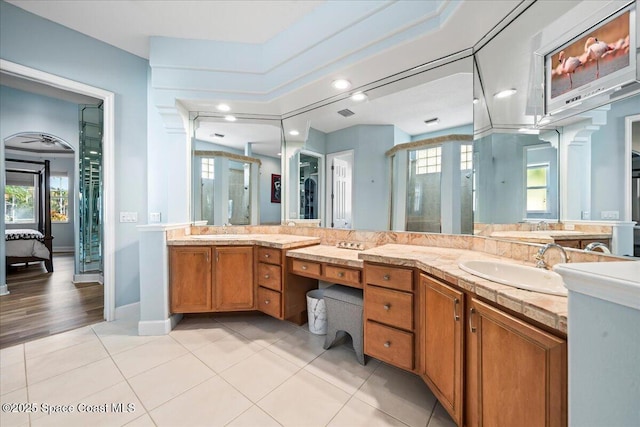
(155, 217)
(128, 216)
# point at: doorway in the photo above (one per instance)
(632, 142)
(339, 189)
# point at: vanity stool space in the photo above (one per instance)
(344, 313)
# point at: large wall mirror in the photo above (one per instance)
(569, 170)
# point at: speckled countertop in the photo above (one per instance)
(549, 310)
(279, 241)
(328, 254)
(548, 236)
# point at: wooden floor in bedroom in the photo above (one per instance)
(41, 304)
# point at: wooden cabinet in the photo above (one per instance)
(191, 279)
(333, 273)
(233, 285)
(516, 373)
(209, 279)
(442, 343)
(389, 315)
(581, 243)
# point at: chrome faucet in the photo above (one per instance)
(540, 255)
(542, 225)
(593, 246)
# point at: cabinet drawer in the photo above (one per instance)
(269, 255)
(389, 345)
(390, 307)
(305, 267)
(269, 302)
(270, 276)
(343, 275)
(389, 277)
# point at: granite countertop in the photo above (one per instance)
(279, 241)
(548, 236)
(328, 254)
(550, 310)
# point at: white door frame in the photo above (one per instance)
(628, 149)
(321, 185)
(329, 186)
(108, 99)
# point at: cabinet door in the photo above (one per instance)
(233, 287)
(190, 279)
(517, 373)
(443, 329)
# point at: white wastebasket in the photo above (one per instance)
(317, 311)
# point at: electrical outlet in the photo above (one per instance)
(586, 215)
(610, 215)
(569, 227)
(128, 216)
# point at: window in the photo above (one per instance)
(537, 187)
(207, 168)
(19, 204)
(59, 186)
(466, 157)
(428, 160)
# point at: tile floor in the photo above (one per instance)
(244, 370)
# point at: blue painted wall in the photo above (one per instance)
(41, 44)
(458, 130)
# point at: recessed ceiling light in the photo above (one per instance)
(432, 122)
(505, 93)
(279, 154)
(359, 96)
(476, 100)
(93, 152)
(223, 107)
(294, 132)
(341, 84)
(230, 118)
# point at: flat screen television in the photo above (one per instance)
(594, 59)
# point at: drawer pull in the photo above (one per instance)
(387, 306)
(266, 276)
(267, 301)
(340, 274)
(471, 327)
(387, 344)
(304, 267)
(456, 316)
(267, 255)
(386, 277)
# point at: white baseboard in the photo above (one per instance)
(88, 278)
(158, 327)
(4, 290)
(129, 311)
(63, 249)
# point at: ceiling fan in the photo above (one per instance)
(44, 139)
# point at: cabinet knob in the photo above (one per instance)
(340, 274)
(267, 255)
(386, 277)
(386, 306)
(267, 301)
(387, 344)
(266, 276)
(304, 267)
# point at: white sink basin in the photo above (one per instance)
(519, 276)
(215, 236)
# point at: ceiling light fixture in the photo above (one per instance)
(432, 122)
(93, 152)
(505, 93)
(341, 84)
(476, 100)
(223, 107)
(230, 118)
(359, 96)
(294, 132)
(279, 154)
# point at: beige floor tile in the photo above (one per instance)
(125, 326)
(14, 418)
(196, 322)
(339, 366)
(11, 355)
(398, 393)
(304, 400)
(162, 383)
(117, 343)
(267, 330)
(441, 418)
(12, 377)
(49, 365)
(57, 342)
(212, 403)
(356, 413)
(144, 357)
(254, 417)
(226, 352)
(259, 374)
(143, 421)
(98, 410)
(239, 321)
(194, 338)
(77, 384)
(299, 348)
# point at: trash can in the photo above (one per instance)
(317, 312)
